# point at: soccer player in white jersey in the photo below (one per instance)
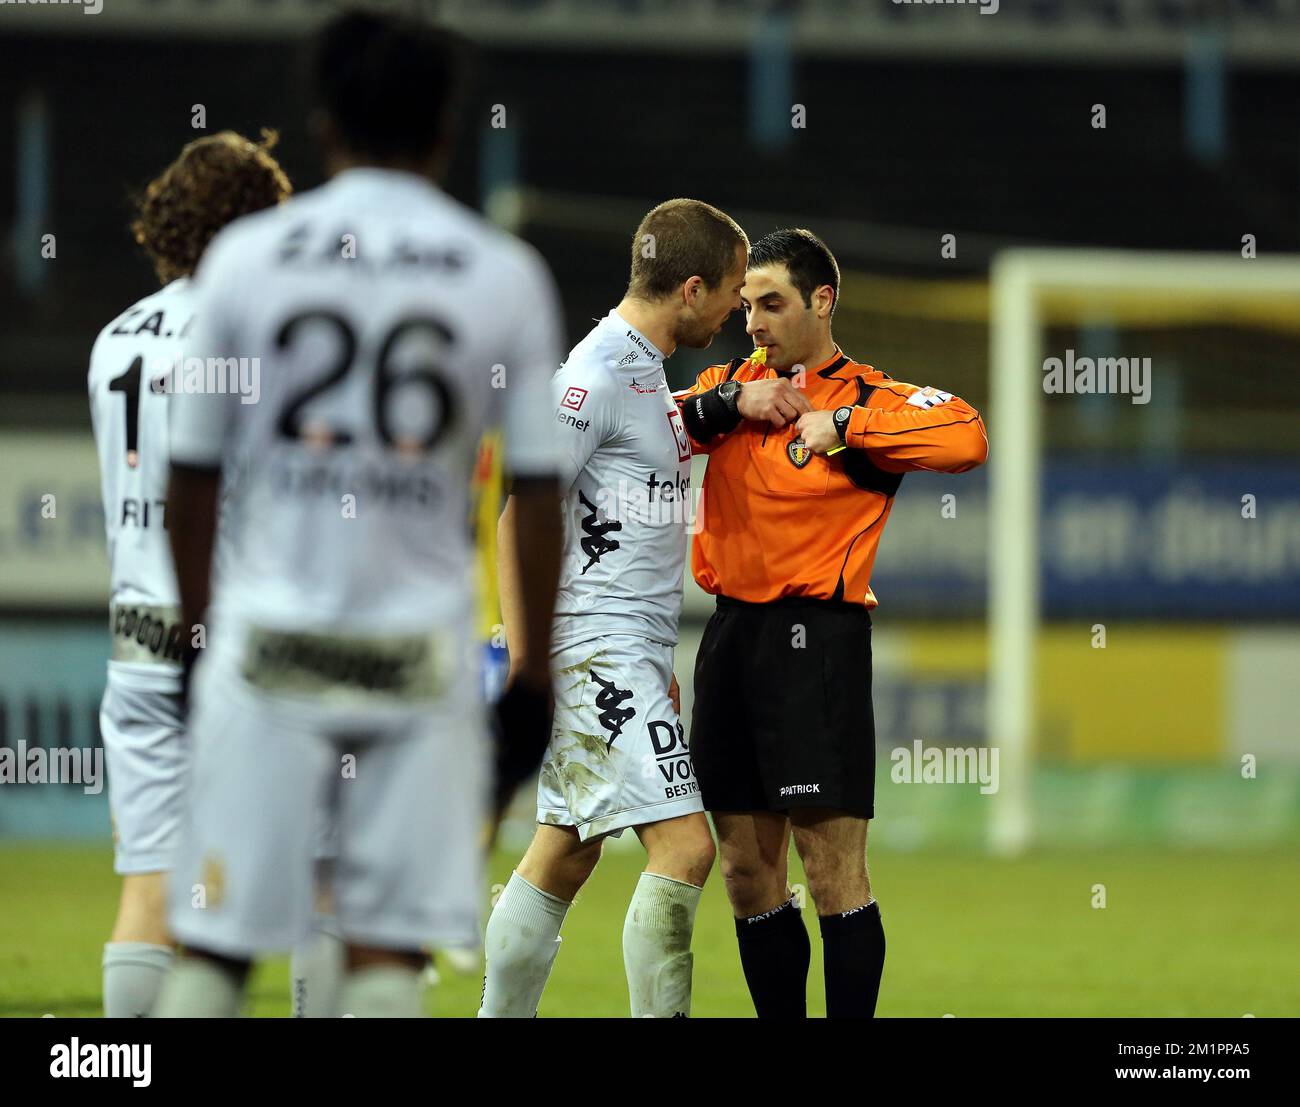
(392, 326)
(618, 757)
(214, 179)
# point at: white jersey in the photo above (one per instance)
(381, 327)
(128, 412)
(627, 483)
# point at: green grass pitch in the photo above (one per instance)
(1182, 934)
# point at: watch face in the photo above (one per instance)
(841, 420)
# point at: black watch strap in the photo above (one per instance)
(842, 416)
(708, 414)
(729, 394)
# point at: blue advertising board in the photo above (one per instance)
(1200, 540)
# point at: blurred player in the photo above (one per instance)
(618, 757)
(393, 327)
(214, 180)
(487, 499)
(806, 451)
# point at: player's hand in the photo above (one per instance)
(817, 429)
(523, 730)
(774, 401)
(675, 695)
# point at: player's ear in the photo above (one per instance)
(692, 290)
(823, 299)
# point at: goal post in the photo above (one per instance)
(1029, 289)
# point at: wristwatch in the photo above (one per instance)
(842, 416)
(729, 394)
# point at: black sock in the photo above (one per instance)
(853, 955)
(774, 953)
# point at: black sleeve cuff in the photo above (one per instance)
(706, 416)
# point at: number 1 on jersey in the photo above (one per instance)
(129, 384)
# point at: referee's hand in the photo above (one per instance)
(774, 401)
(523, 717)
(817, 429)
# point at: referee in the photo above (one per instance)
(807, 449)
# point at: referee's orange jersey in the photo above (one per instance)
(777, 520)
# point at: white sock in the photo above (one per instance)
(197, 988)
(316, 969)
(521, 944)
(657, 946)
(133, 974)
(381, 992)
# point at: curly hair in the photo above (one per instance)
(216, 179)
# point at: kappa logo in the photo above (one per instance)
(628, 358)
(595, 545)
(574, 398)
(798, 453)
(612, 717)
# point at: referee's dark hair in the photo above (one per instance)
(387, 83)
(806, 258)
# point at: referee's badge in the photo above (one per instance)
(798, 453)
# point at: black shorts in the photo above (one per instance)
(782, 713)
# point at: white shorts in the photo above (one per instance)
(147, 756)
(406, 786)
(618, 755)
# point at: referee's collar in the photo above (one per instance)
(828, 367)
